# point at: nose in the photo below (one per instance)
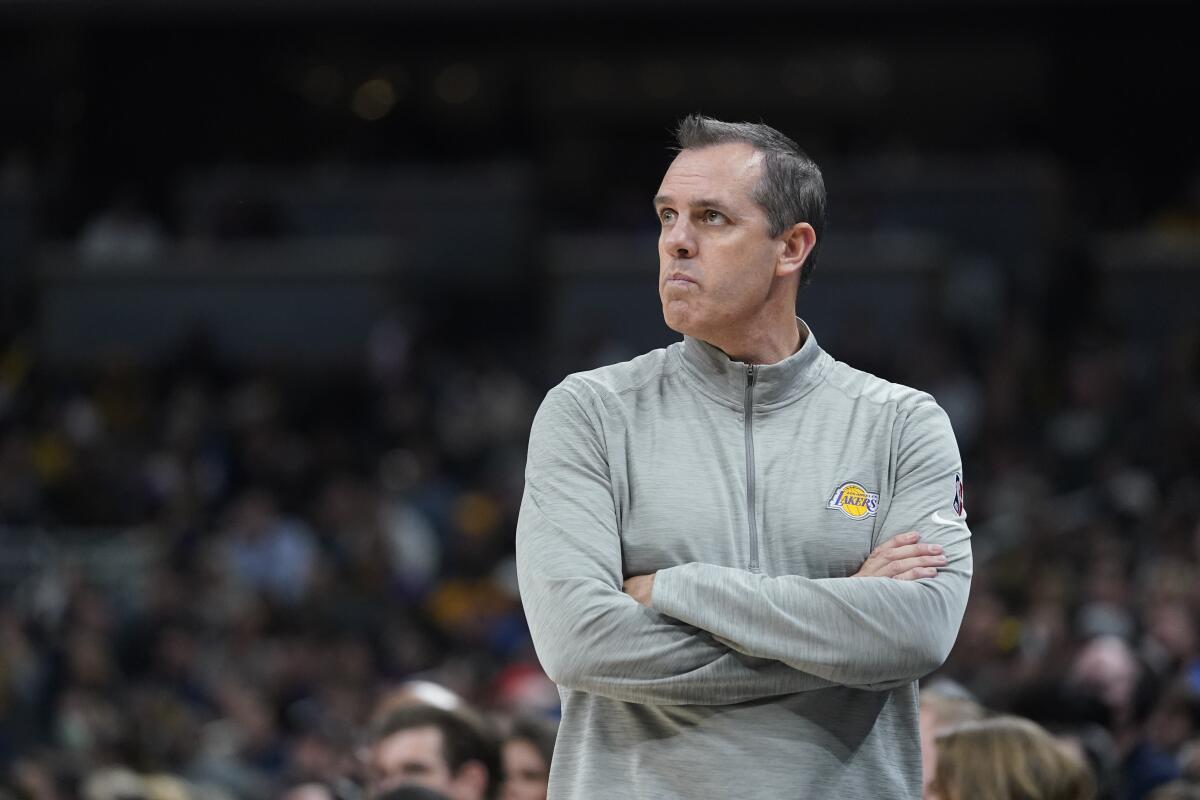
(678, 240)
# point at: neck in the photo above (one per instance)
(762, 342)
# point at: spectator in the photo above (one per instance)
(526, 754)
(413, 793)
(447, 751)
(1007, 758)
(268, 552)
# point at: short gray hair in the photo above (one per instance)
(791, 188)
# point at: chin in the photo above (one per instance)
(681, 322)
(674, 320)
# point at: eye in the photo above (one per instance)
(666, 215)
(713, 217)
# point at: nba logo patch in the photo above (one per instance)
(853, 500)
(958, 494)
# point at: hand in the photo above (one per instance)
(903, 559)
(639, 587)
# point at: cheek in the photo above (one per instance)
(737, 290)
(746, 270)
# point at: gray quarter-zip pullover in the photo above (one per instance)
(753, 492)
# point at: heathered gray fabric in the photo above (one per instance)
(789, 681)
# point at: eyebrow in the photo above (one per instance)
(716, 205)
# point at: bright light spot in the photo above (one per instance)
(374, 99)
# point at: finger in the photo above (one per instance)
(904, 565)
(899, 540)
(911, 551)
(872, 566)
(916, 573)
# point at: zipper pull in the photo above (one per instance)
(750, 374)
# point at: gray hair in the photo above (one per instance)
(791, 188)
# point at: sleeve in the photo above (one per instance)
(589, 635)
(874, 632)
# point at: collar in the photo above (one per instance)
(725, 380)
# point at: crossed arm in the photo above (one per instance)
(903, 557)
(593, 637)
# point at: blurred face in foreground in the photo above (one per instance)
(415, 757)
(717, 259)
(525, 773)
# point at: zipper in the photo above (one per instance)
(750, 375)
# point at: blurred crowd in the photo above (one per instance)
(282, 551)
(250, 582)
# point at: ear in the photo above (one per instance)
(472, 777)
(798, 241)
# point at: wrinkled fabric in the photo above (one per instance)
(762, 669)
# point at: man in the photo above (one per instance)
(718, 544)
(436, 749)
(526, 755)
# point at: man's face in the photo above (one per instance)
(412, 756)
(716, 257)
(526, 775)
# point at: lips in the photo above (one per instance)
(680, 277)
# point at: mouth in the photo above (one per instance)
(680, 278)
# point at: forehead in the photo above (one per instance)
(519, 751)
(730, 171)
(422, 744)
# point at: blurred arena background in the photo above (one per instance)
(282, 284)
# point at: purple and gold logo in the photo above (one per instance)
(853, 500)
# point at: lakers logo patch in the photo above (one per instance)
(853, 500)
